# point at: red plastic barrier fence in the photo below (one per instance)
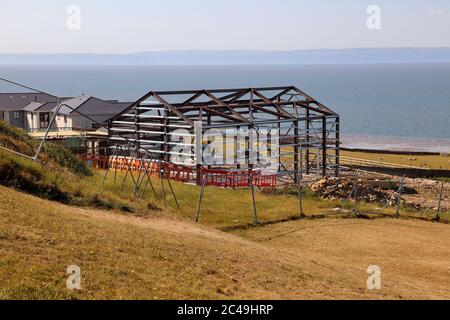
(238, 179)
(218, 178)
(96, 162)
(179, 173)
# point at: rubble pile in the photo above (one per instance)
(428, 194)
(344, 189)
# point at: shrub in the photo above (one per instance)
(18, 140)
(27, 176)
(62, 156)
(15, 139)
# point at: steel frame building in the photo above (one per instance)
(308, 131)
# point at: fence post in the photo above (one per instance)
(255, 215)
(355, 210)
(441, 193)
(399, 198)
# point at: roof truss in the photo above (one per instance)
(238, 105)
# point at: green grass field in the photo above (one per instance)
(225, 208)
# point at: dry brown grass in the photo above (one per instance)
(413, 256)
(126, 257)
(425, 161)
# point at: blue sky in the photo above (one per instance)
(154, 25)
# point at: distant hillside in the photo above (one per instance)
(204, 57)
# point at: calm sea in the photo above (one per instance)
(396, 106)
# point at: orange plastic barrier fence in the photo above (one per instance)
(218, 178)
(174, 172)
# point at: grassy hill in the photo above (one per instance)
(58, 175)
(54, 213)
(158, 257)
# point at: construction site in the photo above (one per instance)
(268, 138)
(162, 124)
(189, 189)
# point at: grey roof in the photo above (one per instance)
(39, 102)
(73, 103)
(47, 107)
(33, 106)
(95, 106)
(18, 101)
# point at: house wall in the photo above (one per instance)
(20, 122)
(32, 121)
(63, 123)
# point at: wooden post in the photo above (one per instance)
(202, 190)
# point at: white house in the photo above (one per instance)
(34, 111)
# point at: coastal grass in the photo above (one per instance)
(220, 208)
(437, 162)
(119, 259)
(49, 180)
(227, 208)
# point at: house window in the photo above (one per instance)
(65, 119)
(16, 115)
(44, 120)
(2, 115)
